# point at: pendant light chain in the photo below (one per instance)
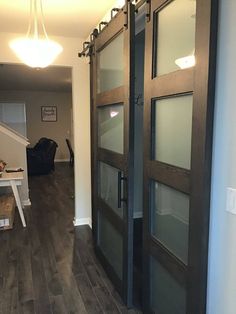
(42, 20)
(36, 21)
(35, 18)
(30, 19)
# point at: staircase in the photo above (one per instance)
(13, 152)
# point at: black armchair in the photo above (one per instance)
(40, 158)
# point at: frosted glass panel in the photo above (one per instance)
(110, 65)
(111, 244)
(111, 128)
(173, 130)
(167, 295)
(109, 187)
(175, 34)
(170, 219)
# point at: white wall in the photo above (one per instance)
(81, 111)
(222, 250)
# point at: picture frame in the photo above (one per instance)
(49, 113)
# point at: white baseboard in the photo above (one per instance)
(184, 221)
(137, 215)
(164, 212)
(83, 221)
(171, 213)
(26, 202)
(62, 160)
(87, 221)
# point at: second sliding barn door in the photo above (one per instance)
(178, 115)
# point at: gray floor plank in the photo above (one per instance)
(95, 277)
(107, 302)
(90, 300)
(42, 303)
(58, 305)
(72, 296)
(25, 280)
(27, 307)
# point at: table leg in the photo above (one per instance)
(18, 202)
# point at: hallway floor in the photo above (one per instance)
(50, 266)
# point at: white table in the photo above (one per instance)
(14, 179)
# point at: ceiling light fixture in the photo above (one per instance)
(36, 49)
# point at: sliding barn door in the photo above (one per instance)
(179, 94)
(112, 151)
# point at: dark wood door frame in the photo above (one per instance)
(122, 22)
(196, 182)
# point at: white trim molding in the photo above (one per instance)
(62, 160)
(26, 202)
(138, 215)
(82, 222)
(13, 134)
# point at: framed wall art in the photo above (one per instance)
(49, 113)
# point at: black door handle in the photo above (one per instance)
(120, 179)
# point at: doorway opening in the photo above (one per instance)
(37, 104)
(14, 115)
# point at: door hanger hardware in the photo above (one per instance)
(88, 45)
(148, 10)
(102, 24)
(93, 35)
(113, 11)
(126, 13)
(85, 48)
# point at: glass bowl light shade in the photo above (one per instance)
(36, 52)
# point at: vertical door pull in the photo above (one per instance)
(120, 198)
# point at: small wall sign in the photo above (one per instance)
(49, 113)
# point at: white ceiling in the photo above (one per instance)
(69, 18)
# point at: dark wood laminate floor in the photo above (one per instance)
(50, 266)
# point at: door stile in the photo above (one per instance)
(123, 22)
(129, 148)
(93, 128)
